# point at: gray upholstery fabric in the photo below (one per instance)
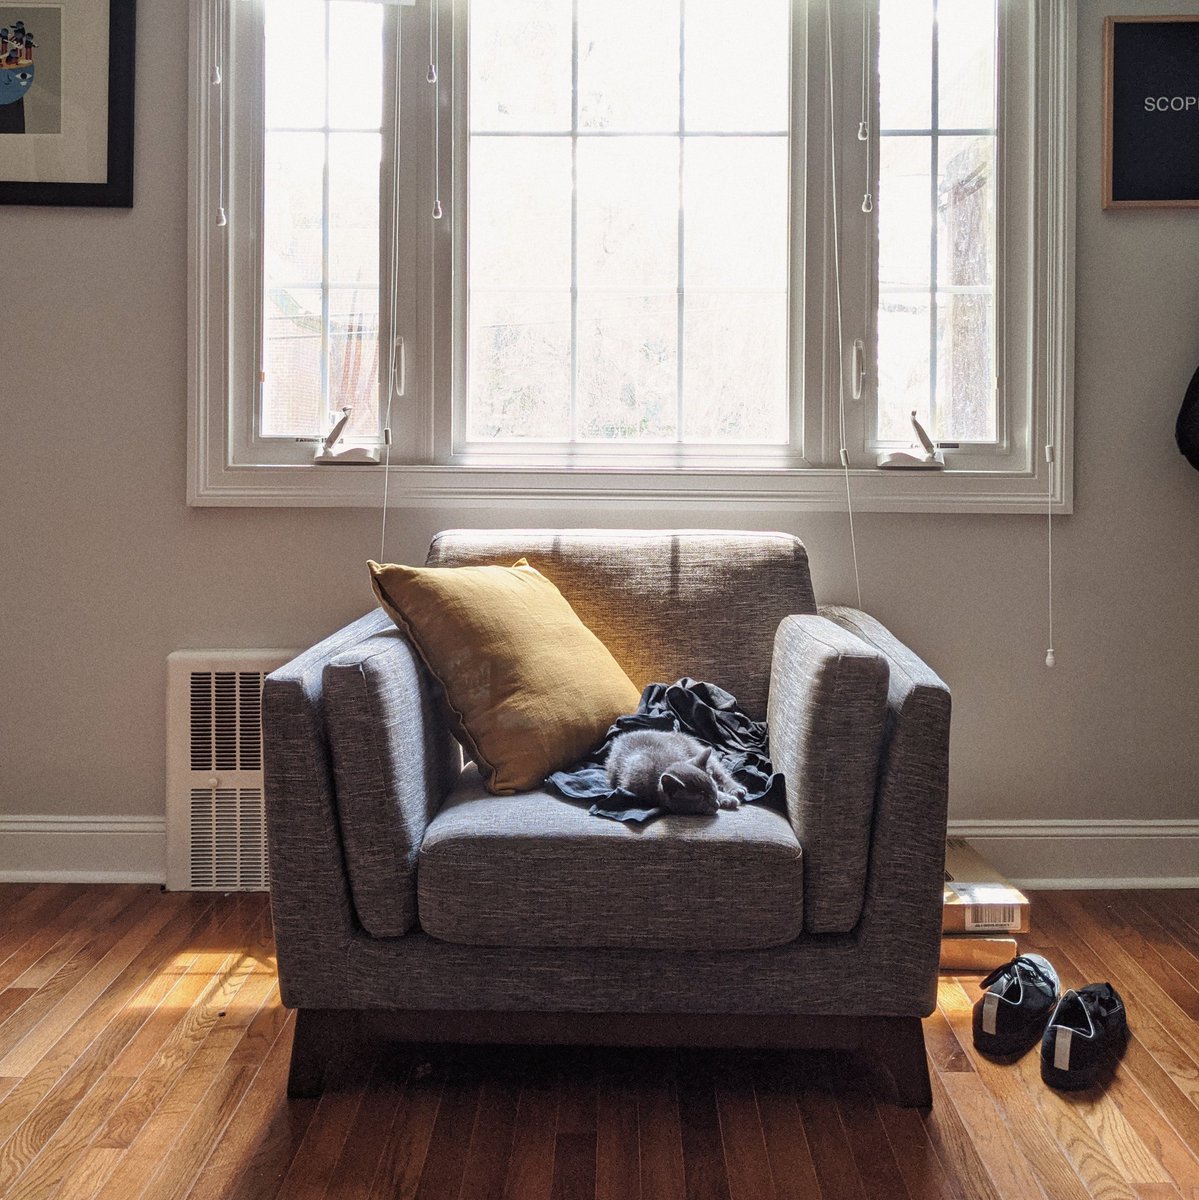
(310, 894)
(907, 855)
(393, 762)
(886, 966)
(828, 697)
(536, 870)
(666, 604)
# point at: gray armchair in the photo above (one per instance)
(409, 903)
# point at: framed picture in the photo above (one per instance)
(66, 102)
(1151, 118)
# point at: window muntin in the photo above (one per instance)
(937, 299)
(321, 271)
(627, 246)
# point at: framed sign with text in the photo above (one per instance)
(1151, 118)
(66, 102)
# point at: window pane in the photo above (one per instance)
(904, 365)
(735, 203)
(905, 63)
(520, 76)
(966, 55)
(293, 205)
(735, 367)
(293, 363)
(904, 211)
(519, 365)
(628, 65)
(354, 160)
(628, 366)
(737, 65)
(965, 368)
(354, 357)
(966, 212)
(295, 33)
(519, 213)
(628, 222)
(355, 65)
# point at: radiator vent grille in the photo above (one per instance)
(226, 720)
(216, 785)
(228, 840)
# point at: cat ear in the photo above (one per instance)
(672, 784)
(701, 759)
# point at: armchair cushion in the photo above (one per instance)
(394, 761)
(536, 870)
(828, 702)
(528, 687)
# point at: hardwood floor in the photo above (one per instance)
(144, 1054)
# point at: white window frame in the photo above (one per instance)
(228, 467)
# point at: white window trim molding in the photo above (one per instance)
(215, 478)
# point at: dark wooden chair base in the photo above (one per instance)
(893, 1044)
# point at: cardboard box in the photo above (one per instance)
(971, 953)
(977, 898)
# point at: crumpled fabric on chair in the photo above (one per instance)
(704, 711)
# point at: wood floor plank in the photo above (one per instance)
(1134, 1087)
(791, 1166)
(441, 1176)
(156, 1069)
(1062, 1150)
(924, 1174)
(699, 1121)
(52, 944)
(953, 1141)
(1139, 985)
(576, 1136)
(235, 1148)
(877, 1165)
(407, 1145)
(490, 1148)
(617, 1157)
(659, 1133)
(209, 1117)
(96, 942)
(832, 1154)
(31, 912)
(1149, 1041)
(746, 1159)
(105, 959)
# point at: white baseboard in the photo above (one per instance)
(102, 849)
(1032, 853)
(1088, 854)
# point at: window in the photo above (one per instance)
(599, 249)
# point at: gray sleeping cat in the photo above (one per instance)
(672, 770)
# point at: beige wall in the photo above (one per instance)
(106, 570)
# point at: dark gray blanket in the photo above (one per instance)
(704, 711)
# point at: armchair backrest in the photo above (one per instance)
(665, 603)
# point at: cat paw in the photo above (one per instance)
(729, 800)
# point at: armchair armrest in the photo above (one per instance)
(394, 762)
(828, 698)
(902, 912)
(313, 908)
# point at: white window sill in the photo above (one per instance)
(580, 489)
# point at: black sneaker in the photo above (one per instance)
(1011, 1014)
(1088, 1027)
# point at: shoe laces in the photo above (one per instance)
(1021, 960)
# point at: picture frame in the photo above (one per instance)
(66, 102)
(1151, 112)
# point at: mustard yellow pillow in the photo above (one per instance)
(529, 688)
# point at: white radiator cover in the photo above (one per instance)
(215, 817)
